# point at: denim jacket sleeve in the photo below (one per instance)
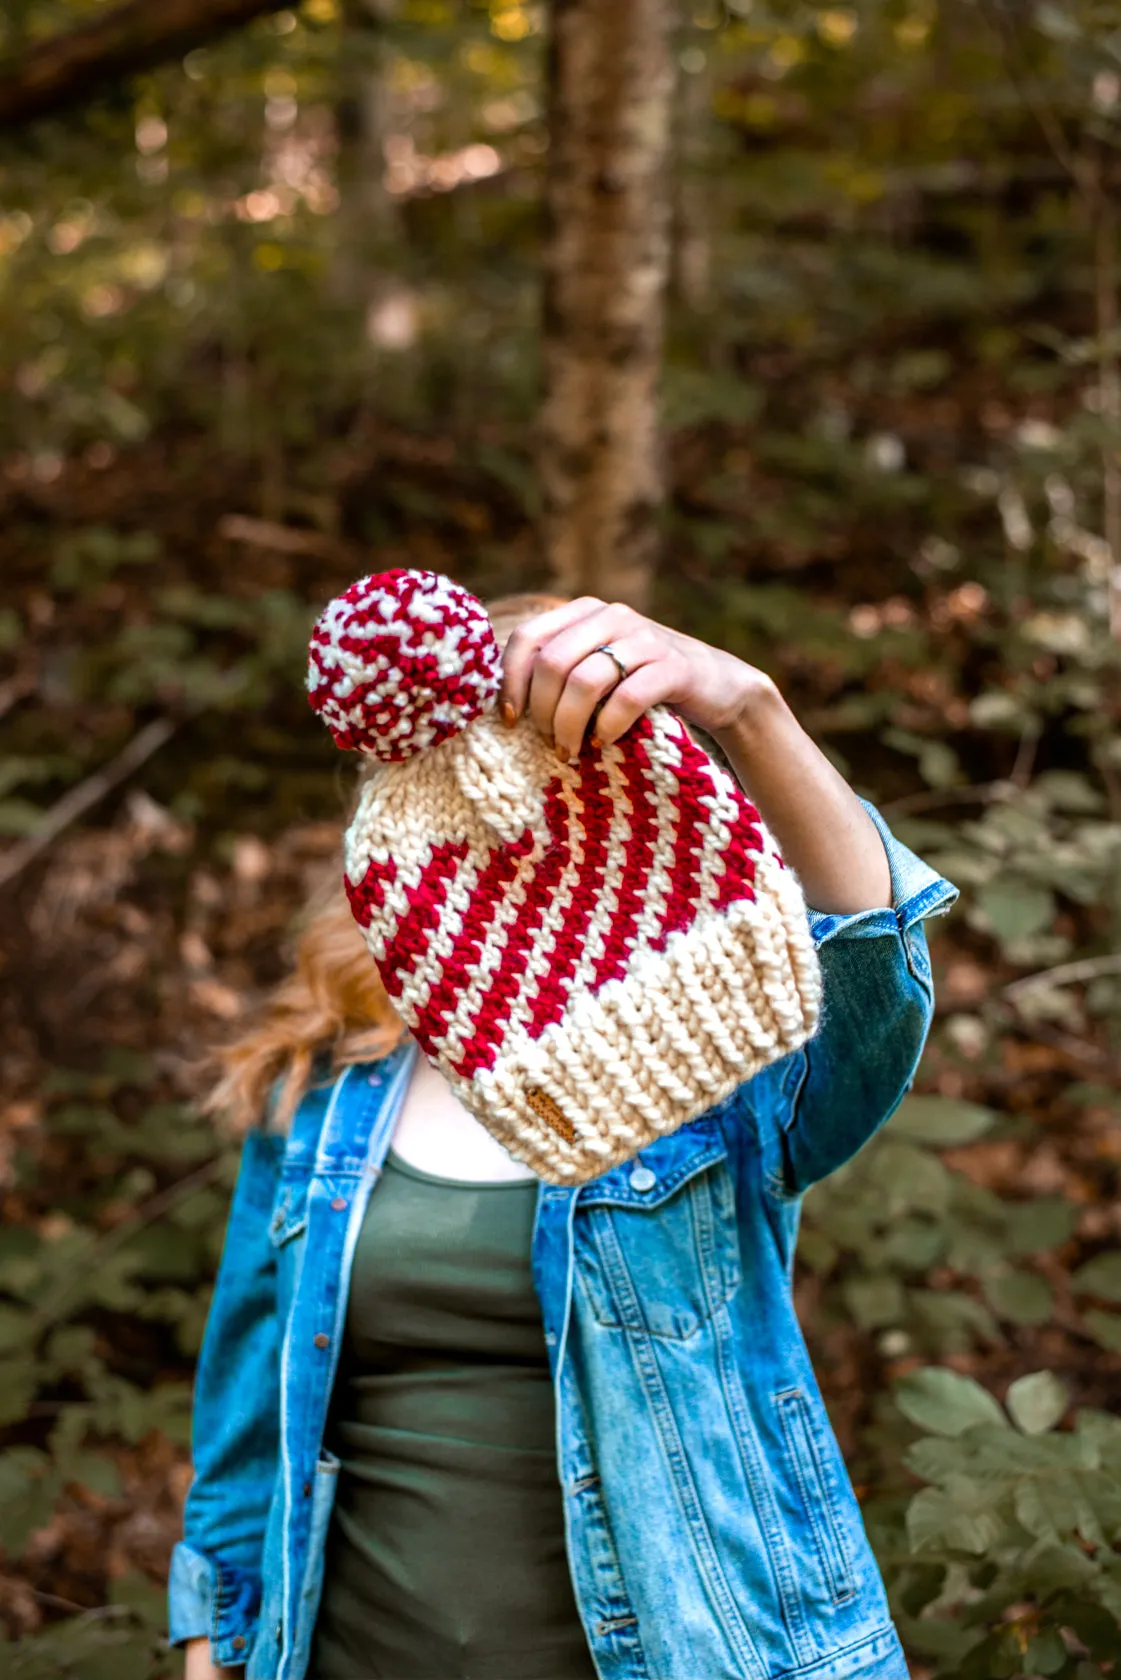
(831, 1096)
(215, 1583)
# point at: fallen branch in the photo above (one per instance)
(282, 539)
(1066, 974)
(79, 800)
(69, 69)
(982, 793)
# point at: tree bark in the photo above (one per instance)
(606, 261)
(366, 222)
(72, 68)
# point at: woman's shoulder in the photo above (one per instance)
(326, 1087)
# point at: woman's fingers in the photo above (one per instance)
(525, 642)
(553, 670)
(594, 682)
(649, 685)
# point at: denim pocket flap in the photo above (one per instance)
(658, 1170)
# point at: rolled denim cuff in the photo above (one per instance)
(212, 1600)
(917, 891)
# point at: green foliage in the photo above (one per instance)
(64, 1295)
(1011, 1544)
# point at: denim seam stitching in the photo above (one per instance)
(842, 1588)
(732, 1624)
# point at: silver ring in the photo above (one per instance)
(611, 654)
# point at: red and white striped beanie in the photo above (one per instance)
(592, 954)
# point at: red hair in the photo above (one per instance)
(333, 1005)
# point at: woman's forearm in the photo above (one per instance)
(823, 831)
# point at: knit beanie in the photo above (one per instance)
(592, 954)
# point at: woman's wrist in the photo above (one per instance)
(200, 1665)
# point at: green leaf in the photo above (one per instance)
(1015, 909)
(20, 1469)
(1047, 1653)
(944, 1401)
(1104, 1327)
(1100, 1276)
(1103, 1430)
(874, 1301)
(914, 1243)
(961, 1517)
(1021, 1297)
(910, 1178)
(21, 1379)
(942, 1121)
(19, 817)
(15, 1326)
(143, 1597)
(816, 1250)
(933, 1458)
(92, 1471)
(1037, 1402)
(1055, 1507)
(1069, 790)
(955, 1320)
(1042, 1223)
(28, 1487)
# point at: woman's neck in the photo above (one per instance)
(437, 1134)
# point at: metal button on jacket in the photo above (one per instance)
(643, 1179)
(321, 1341)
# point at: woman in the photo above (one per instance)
(471, 1425)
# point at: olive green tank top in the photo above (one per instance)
(445, 1557)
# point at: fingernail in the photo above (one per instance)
(509, 716)
(595, 742)
(562, 754)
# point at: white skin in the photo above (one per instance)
(551, 671)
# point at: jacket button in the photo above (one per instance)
(307, 1489)
(238, 1642)
(643, 1179)
(339, 1204)
(322, 1341)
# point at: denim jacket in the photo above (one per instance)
(712, 1532)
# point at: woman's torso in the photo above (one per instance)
(692, 1450)
(446, 1554)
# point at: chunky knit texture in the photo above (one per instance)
(400, 662)
(593, 954)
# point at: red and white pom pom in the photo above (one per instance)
(400, 662)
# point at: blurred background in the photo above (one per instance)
(291, 294)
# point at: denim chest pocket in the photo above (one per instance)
(657, 1249)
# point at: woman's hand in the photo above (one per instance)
(551, 669)
(200, 1666)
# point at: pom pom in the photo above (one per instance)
(402, 661)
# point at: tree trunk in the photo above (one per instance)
(611, 84)
(366, 222)
(72, 68)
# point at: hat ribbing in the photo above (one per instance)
(592, 954)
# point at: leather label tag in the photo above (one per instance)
(546, 1109)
